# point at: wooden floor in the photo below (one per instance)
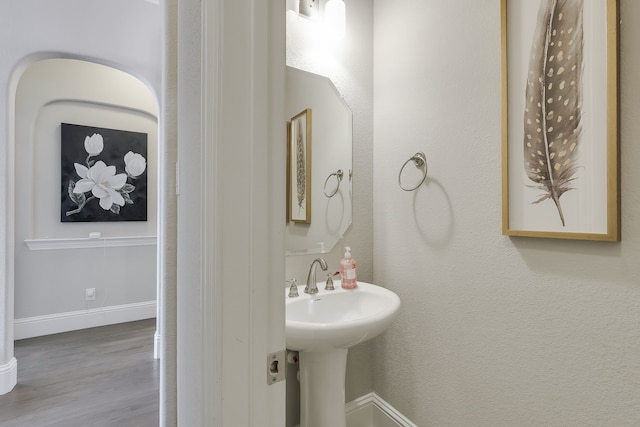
(95, 377)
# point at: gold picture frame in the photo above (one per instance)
(560, 149)
(299, 167)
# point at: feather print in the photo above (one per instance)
(553, 103)
(300, 165)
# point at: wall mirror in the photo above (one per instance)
(322, 167)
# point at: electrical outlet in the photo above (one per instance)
(309, 8)
(90, 294)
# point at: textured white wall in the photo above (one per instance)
(493, 331)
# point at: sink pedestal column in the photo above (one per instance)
(322, 376)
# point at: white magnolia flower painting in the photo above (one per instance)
(103, 174)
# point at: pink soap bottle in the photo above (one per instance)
(348, 270)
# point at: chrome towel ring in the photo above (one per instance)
(420, 160)
(338, 174)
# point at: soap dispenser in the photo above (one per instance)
(348, 270)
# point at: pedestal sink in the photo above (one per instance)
(322, 328)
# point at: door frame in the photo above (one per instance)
(230, 239)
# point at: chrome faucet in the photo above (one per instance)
(312, 287)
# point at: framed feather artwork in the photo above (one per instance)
(299, 168)
(560, 151)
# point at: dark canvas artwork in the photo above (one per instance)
(103, 174)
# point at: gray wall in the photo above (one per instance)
(493, 331)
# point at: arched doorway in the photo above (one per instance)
(82, 282)
(61, 30)
(50, 255)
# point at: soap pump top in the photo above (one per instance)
(348, 270)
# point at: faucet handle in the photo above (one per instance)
(293, 290)
(329, 286)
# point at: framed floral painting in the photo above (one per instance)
(103, 174)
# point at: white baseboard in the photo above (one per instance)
(371, 410)
(71, 321)
(8, 376)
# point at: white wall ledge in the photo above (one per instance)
(83, 243)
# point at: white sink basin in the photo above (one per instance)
(338, 319)
(322, 327)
